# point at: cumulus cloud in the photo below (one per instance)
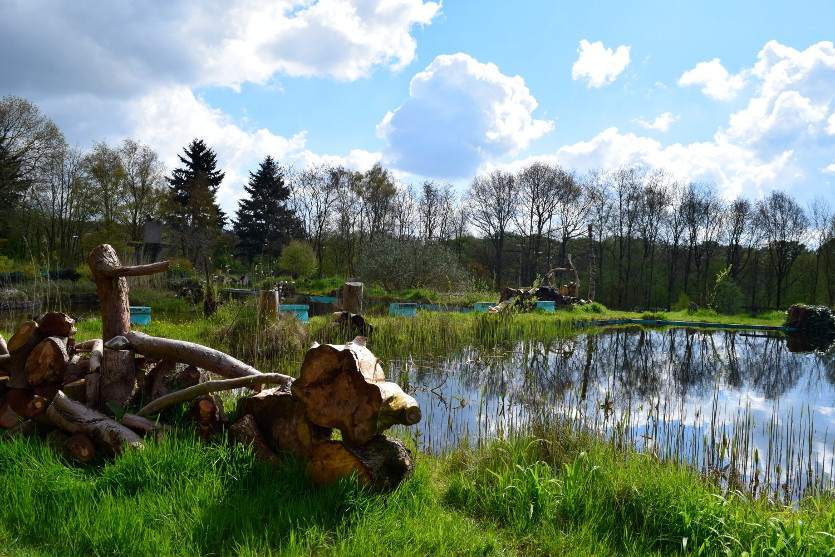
(715, 80)
(830, 169)
(170, 118)
(459, 113)
(123, 48)
(661, 123)
(598, 64)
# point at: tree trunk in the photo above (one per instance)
(334, 387)
(380, 464)
(118, 378)
(268, 302)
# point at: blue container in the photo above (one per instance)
(406, 310)
(300, 310)
(547, 306)
(482, 307)
(140, 315)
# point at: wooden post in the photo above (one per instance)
(268, 302)
(118, 367)
(352, 297)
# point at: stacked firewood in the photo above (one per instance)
(78, 394)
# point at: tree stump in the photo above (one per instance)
(380, 464)
(268, 303)
(352, 297)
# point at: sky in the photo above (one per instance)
(739, 94)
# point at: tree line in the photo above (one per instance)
(653, 240)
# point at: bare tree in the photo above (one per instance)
(822, 233)
(317, 191)
(784, 225)
(144, 184)
(492, 203)
(538, 198)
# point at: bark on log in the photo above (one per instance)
(282, 419)
(211, 387)
(26, 403)
(352, 297)
(207, 412)
(105, 432)
(336, 393)
(140, 423)
(23, 429)
(118, 378)
(167, 377)
(76, 390)
(92, 388)
(246, 432)
(57, 324)
(76, 369)
(8, 417)
(185, 352)
(380, 464)
(20, 346)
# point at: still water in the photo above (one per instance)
(738, 405)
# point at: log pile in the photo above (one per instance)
(79, 394)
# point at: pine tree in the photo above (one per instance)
(263, 222)
(193, 212)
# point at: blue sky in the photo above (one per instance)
(740, 94)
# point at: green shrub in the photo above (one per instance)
(727, 296)
(682, 302)
(298, 258)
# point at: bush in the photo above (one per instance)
(298, 258)
(682, 303)
(401, 265)
(727, 296)
(593, 307)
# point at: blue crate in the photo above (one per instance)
(482, 307)
(403, 309)
(140, 315)
(546, 305)
(300, 310)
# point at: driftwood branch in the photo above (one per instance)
(212, 387)
(190, 353)
(132, 271)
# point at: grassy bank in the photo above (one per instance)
(555, 494)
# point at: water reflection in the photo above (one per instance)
(741, 405)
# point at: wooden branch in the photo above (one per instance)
(191, 353)
(92, 389)
(96, 355)
(212, 387)
(139, 423)
(133, 270)
(105, 432)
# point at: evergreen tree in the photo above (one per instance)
(263, 222)
(193, 212)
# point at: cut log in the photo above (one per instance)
(207, 412)
(57, 324)
(352, 297)
(47, 361)
(167, 377)
(26, 403)
(139, 423)
(337, 393)
(8, 417)
(380, 464)
(72, 447)
(185, 352)
(211, 387)
(96, 355)
(76, 390)
(282, 419)
(76, 368)
(104, 431)
(25, 339)
(246, 432)
(4, 348)
(22, 429)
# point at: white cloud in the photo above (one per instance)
(715, 80)
(830, 129)
(661, 123)
(170, 118)
(123, 49)
(829, 169)
(598, 64)
(459, 113)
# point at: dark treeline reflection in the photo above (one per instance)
(682, 389)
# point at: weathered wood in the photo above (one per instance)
(380, 464)
(268, 303)
(5, 362)
(21, 429)
(140, 423)
(112, 289)
(105, 432)
(211, 387)
(57, 324)
(92, 389)
(8, 417)
(167, 377)
(209, 415)
(246, 432)
(96, 355)
(352, 297)
(25, 339)
(4, 348)
(118, 378)
(76, 390)
(76, 368)
(335, 387)
(24, 336)
(282, 419)
(185, 352)
(47, 361)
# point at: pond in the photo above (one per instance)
(738, 405)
